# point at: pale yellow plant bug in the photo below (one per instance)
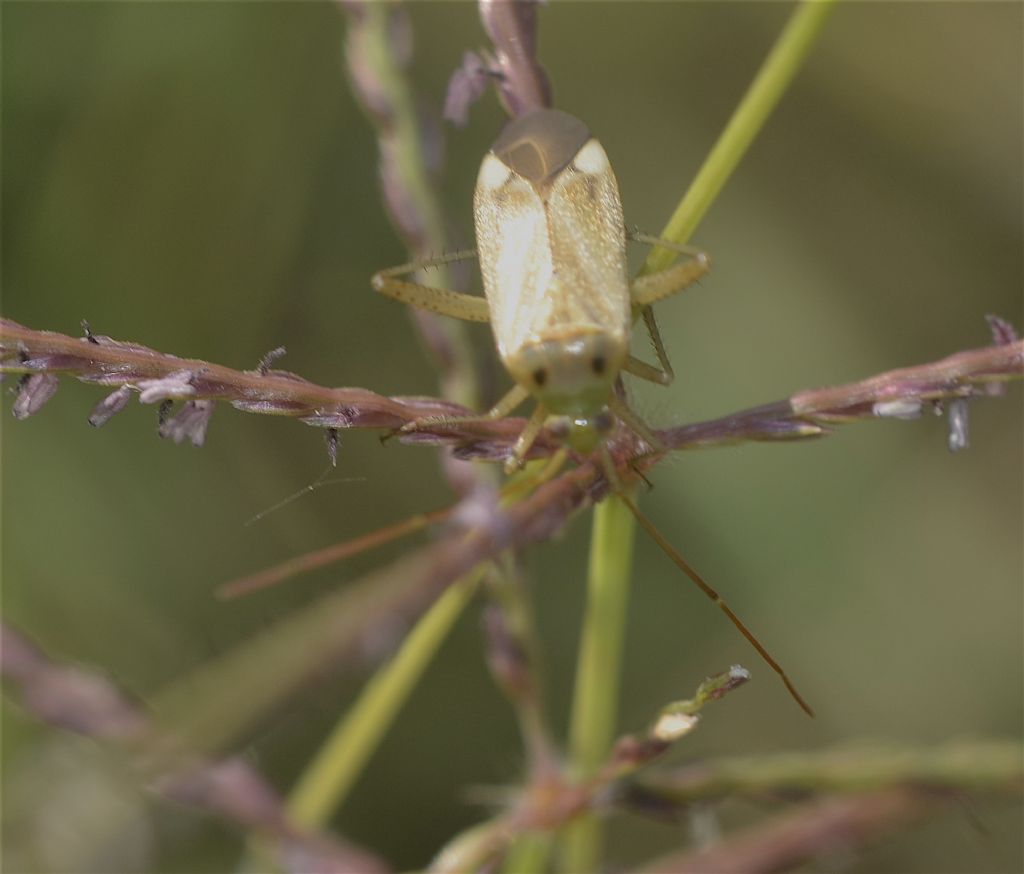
(551, 242)
(552, 249)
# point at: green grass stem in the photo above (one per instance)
(328, 778)
(597, 680)
(600, 658)
(770, 83)
(529, 854)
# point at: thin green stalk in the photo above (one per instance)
(528, 855)
(600, 657)
(777, 71)
(596, 696)
(329, 777)
(949, 768)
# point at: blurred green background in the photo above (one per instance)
(198, 178)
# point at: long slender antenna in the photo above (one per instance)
(318, 483)
(328, 555)
(337, 552)
(702, 584)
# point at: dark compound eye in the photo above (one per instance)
(598, 364)
(540, 376)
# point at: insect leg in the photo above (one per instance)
(650, 289)
(525, 439)
(469, 307)
(634, 422)
(608, 466)
(647, 290)
(642, 369)
(515, 396)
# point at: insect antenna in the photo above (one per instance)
(330, 554)
(318, 483)
(319, 558)
(702, 584)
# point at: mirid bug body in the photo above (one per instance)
(551, 242)
(552, 247)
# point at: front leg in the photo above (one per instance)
(653, 287)
(512, 399)
(443, 301)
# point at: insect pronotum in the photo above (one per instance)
(551, 242)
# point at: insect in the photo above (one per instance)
(551, 243)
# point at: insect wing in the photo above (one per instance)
(514, 251)
(588, 245)
(553, 258)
